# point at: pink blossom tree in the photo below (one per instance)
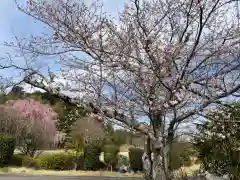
(38, 120)
(10, 121)
(171, 60)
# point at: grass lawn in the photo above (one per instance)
(27, 171)
(16, 151)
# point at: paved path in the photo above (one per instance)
(16, 177)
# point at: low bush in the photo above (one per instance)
(186, 158)
(80, 162)
(91, 156)
(122, 160)
(178, 160)
(21, 160)
(175, 161)
(58, 161)
(135, 159)
(17, 160)
(31, 162)
(7, 146)
(111, 155)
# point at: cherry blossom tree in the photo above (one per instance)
(10, 121)
(218, 141)
(37, 124)
(87, 130)
(171, 60)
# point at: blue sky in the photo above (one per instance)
(13, 21)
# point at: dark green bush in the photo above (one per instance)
(58, 161)
(135, 159)
(17, 160)
(179, 159)
(101, 166)
(20, 160)
(111, 155)
(7, 146)
(91, 156)
(175, 161)
(186, 158)
(80, 162)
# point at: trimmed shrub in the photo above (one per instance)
(175, 161)
(20, 160)
(7, 146)
(135, 159)
(31, 162)
(186, 159)
(122, 160)
(80, 163)
(91, 156)
(58, 161)
(178, 160)
(17, 160)
(111, 155)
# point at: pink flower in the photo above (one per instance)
(40, 116)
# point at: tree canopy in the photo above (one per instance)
(166, 61)
(218, 140)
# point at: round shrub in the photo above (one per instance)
(91, 156)
(59, 161)
(111, 155)
(17, 160)
(7, 146)
(135, 159)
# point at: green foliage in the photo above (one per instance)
(135, 159)
(21, 160)
(122, 160)
(111, 155)
(120, 137)
(75, 142)
(60, 161)
(67, 113)
(92, 152)
(219, 141)
(17, 160)
(175, 161)
(31, 162)
(5, 170)
(181, 154)
(80, 162)
(7, 146)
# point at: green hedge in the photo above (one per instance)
(17, 160)
(31, 162)
(7, 146)
(80, 162)
(91, 157)
(58, 161)
(135, 159)
(111, 155)
(122, 160)
(20, 160)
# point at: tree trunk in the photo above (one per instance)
(155, 170)
(156, 163)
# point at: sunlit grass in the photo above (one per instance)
(28, 171)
